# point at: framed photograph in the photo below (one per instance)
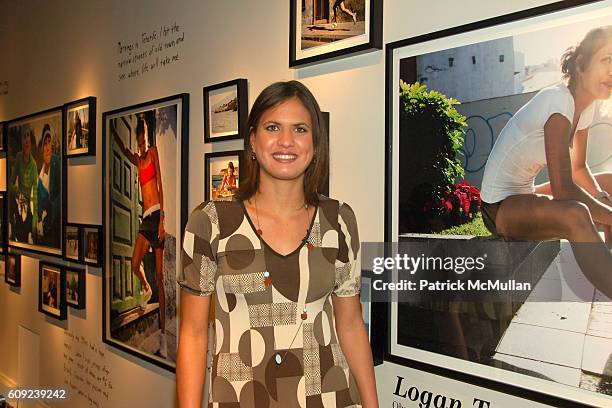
(225, 110)
(3, 222)
(92, 245)
(480, 75)
(80, 119)
(2, 136)
(35, 182)
(145, 157)
(328, 29)
(222, 174)
(52, 290)
(75, 288)
(73, 244)
(12, 269)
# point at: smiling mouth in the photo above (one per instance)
(284, 158)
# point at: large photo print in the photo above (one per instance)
(478, 161)
(35, 182)
(145, 205)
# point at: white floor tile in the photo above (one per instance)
(600, 324)
(543, 344)
(570, 316)
(560, 374)
(597, 356)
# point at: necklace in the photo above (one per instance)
(278, 358)
(260, 232)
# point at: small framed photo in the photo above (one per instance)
(73, 244)
(92, 244)
(3, 223)
(12, 269)
(52, 290)
(222, 174)
(75, 288)
(225, 110)
(80, 137)
(325, 30)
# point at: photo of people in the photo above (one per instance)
(328, 21)
(51, 290)
(34, 183)
(91, 238)
(77, 129)
(517, 149)
(11, 264)
(72, 242)
(73, 287)
(223, 112)
(223, 176)
(148, 143)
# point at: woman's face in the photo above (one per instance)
(230, 171)
(283, 141)
(596, 79)
(47, 150)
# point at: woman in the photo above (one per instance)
(340, 4)
(551, 131)
(151, 232)
(48, 193)
(229, 181)
(280, 261)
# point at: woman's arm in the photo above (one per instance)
(192, 349)
(355, 346)
(560, 168)
(160, 192)
(127, 153)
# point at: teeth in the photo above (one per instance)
(284, 156)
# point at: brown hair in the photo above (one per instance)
(316, 172)
(591, 43)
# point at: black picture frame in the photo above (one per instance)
(321, 30)
(91, 243)
(116, 123)
(209, 158)
(3, 223)
(530, 388)
(222, 91)
(86, 107)
(16, 262)
(57, 274)
(13, 142)
(75, 291)
(2, 136)
(69, 228)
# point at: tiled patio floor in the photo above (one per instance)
(564, 330)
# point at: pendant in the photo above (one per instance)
(304, 315)
(259, 232)
(310, 246)
(278, 359)
(267, 278)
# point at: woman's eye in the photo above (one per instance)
(301, 129)
(272, 128)
(607, 59)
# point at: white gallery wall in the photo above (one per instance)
(53, 52)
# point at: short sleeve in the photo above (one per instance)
(348, 268)
(199, 255)
(560, 101)
(588, 115)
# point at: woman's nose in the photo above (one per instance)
(285, 137)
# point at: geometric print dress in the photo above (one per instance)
(276, 342)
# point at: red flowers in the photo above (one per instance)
(460, 203)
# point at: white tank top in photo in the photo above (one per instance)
(518, 154)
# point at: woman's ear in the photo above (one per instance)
(252, 138)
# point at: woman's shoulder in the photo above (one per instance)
(341, 208)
